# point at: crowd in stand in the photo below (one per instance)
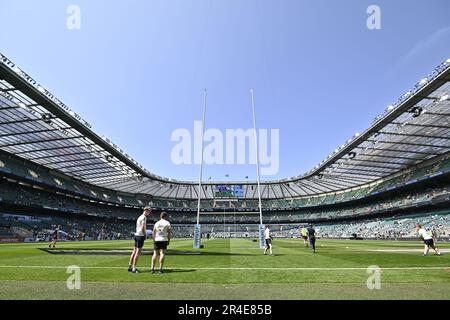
(22, 195)
(114, 221)
(40, 228)
(392, 228)
(382, 228)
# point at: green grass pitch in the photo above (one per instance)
(227, 269)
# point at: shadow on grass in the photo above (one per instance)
(171, 271)
(127, 252)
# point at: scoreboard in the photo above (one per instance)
(229, 191)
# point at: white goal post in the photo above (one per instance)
(261, 227)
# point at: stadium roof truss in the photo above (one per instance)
(36, 126)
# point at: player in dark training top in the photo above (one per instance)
(55, 235)
(312, 237)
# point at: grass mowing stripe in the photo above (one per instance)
(49, 290)
(240, 268)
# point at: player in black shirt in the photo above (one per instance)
(312, 237)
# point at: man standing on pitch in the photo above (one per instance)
(268, 236)
(427, 240)
(139, 238)
(162, 233)
(312, 237)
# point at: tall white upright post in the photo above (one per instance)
(261, 226)
(197, 231)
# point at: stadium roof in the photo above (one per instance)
(37, 126)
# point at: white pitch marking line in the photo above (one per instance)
(445, 250)
(241, 268)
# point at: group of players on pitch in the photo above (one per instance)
(162, 233)
(308, 236)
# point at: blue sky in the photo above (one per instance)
(136, 70)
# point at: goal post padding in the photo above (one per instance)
(197, 236)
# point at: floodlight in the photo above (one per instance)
(47, 118)
(416, 111)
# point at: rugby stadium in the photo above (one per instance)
(363, 201)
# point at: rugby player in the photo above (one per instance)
(268, 236)
(139, 238)
(162, 233)
(427, 240)
(55, 237)
(312, 237)
(304, 234)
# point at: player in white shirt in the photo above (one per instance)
(268, 237)
(139, 238)
(162, 233)
(427, 240)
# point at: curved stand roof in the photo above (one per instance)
(37, 126)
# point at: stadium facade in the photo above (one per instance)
(52, 161)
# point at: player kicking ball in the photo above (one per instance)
(162, 233)
(268, 237)
(427, 240)
(139, 238)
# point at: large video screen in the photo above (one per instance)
(229, 191)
